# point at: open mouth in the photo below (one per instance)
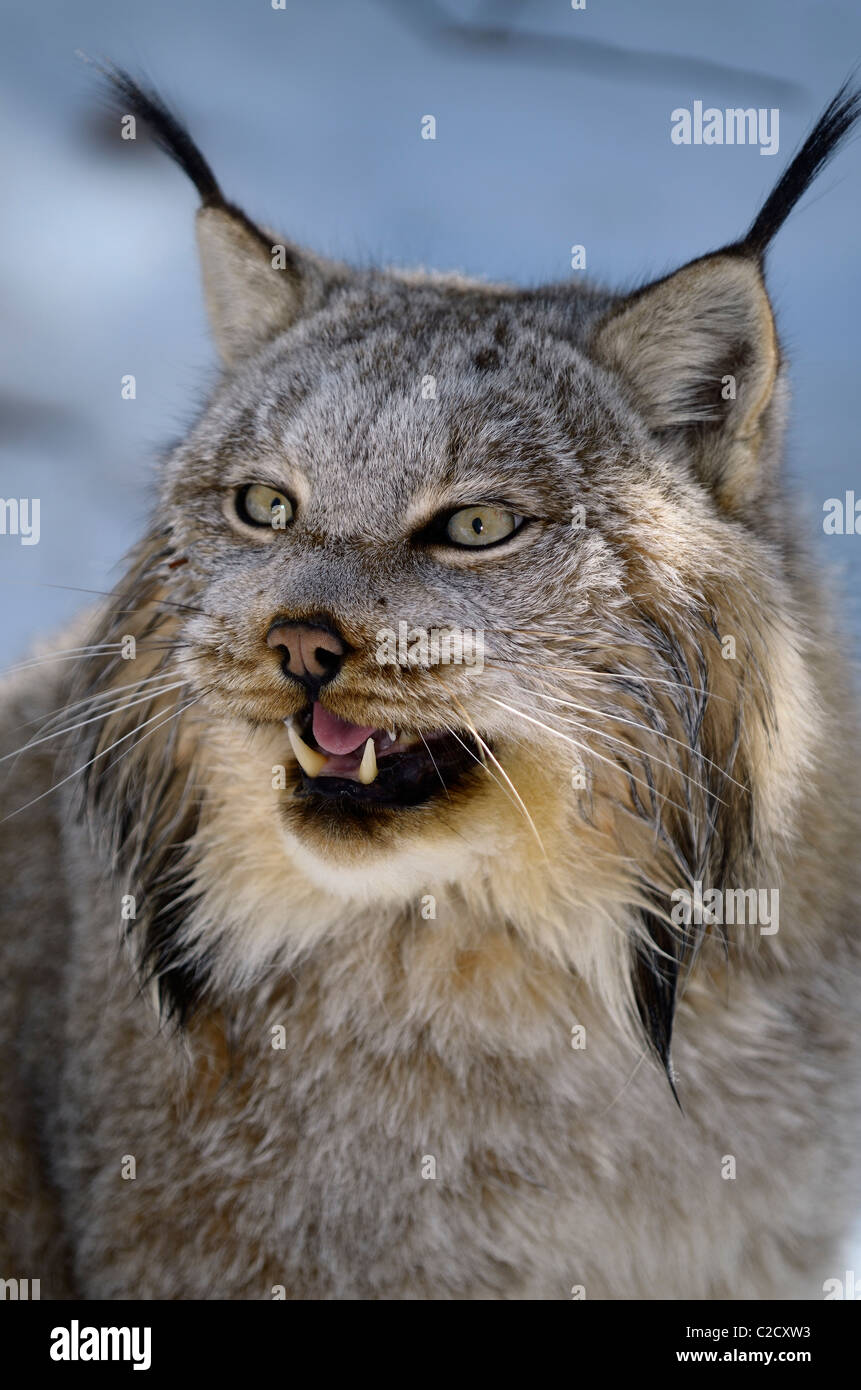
(376, 767)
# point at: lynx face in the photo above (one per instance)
(399, 474)
(329, 512)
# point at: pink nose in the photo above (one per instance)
(312, 655)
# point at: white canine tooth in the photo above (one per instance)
(368, 765)
(308, 759)
(393, 734)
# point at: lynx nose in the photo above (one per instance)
(312, 654)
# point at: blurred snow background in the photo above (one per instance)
(552, 128)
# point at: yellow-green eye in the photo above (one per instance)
(480, 525)
(260, 505)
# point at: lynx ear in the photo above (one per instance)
(255, 284)
(697, 353)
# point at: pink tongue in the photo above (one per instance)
(335, 735)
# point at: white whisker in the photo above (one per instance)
(103, 753)
(65, 654)
(636, 724)
(195, 699)
(103, 714)
(436, 769)
(591, 751)
(519, 799)
(589, 673)
(99, 695)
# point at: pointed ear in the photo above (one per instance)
(697, 352)
(697, 356)
(254, 286)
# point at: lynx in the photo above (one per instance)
(333, 979)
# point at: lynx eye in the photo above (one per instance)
(259, 505)
(476, 526)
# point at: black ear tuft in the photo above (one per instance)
(129, 98)
(835, 123)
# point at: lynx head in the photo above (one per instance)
(498, 575)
